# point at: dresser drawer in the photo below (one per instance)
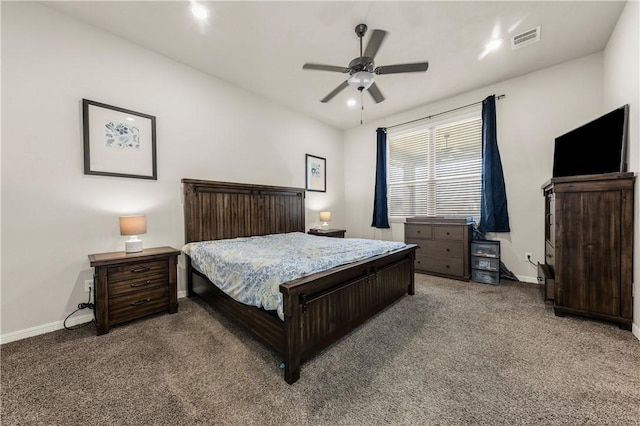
(137, 271)
(418, 231)
(440, 265)
(138, 304)
(546, 281)
(139, 283)
(448, 233)
(445, 249)
(550, 256)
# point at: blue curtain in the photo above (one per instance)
(380, 212)
(493, 202)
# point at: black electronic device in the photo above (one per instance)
(594, 148)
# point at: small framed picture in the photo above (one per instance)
(316, 169)
(118, 142)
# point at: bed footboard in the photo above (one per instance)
(322, 308)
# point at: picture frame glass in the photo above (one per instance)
(118, 142)
(316, 173)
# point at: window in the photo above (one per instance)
(436, 169)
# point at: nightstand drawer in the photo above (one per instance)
(448, 233)
(137, 271)
(139, 304)
(140, 283)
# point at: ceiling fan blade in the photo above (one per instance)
(320, 67)
(394, 69)
(375, 93)
(374, 43)
(335, 92)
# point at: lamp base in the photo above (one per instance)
(133, 245)
(324, 226)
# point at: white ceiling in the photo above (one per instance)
(261, 46)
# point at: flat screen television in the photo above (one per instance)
(594, 148)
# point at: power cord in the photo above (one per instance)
(80, 307)
(529, 260)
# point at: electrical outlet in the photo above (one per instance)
(528, 257)
(88, 285)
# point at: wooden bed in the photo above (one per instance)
(318, 309)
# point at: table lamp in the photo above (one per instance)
(325, 217)
(133, 226)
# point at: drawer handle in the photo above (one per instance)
(447, 233)
(448, 250)
(136, 270)
(447, 266)
(141, 302)
(418, 232)
(141, 284)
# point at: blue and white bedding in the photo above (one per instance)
(251, 269)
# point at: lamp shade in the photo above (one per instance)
(133, 225)
(325, 216)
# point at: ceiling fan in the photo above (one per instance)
(362, 69)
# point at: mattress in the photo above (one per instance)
(251, 269)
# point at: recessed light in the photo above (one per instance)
(493, 44)
(199, 11)
(351, 102)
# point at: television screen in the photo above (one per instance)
(596, 147)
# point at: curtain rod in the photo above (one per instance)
(444, 112)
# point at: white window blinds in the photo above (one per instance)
(435, 170)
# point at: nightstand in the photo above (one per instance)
(129, 286)
(336, 233)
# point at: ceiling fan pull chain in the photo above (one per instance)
(361, 107)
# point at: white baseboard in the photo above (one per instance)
(527, 279)
(53, 326)
(43, 329)
(635, 330)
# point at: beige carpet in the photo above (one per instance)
(456, 353)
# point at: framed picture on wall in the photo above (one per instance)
(118, 142)
(316, 168)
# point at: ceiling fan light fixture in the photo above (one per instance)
(361, 80)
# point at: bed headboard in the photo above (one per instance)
(217, 210)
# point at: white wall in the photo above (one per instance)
(621, 86)
(53, 215)
(537, 108)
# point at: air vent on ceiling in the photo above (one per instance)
(525, 38)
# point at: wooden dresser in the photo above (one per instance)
(589, 246)
(443, 245)
(133, 285)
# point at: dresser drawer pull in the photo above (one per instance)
(136, 270)
(141, 284)
(448, 250)
(141, 302)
